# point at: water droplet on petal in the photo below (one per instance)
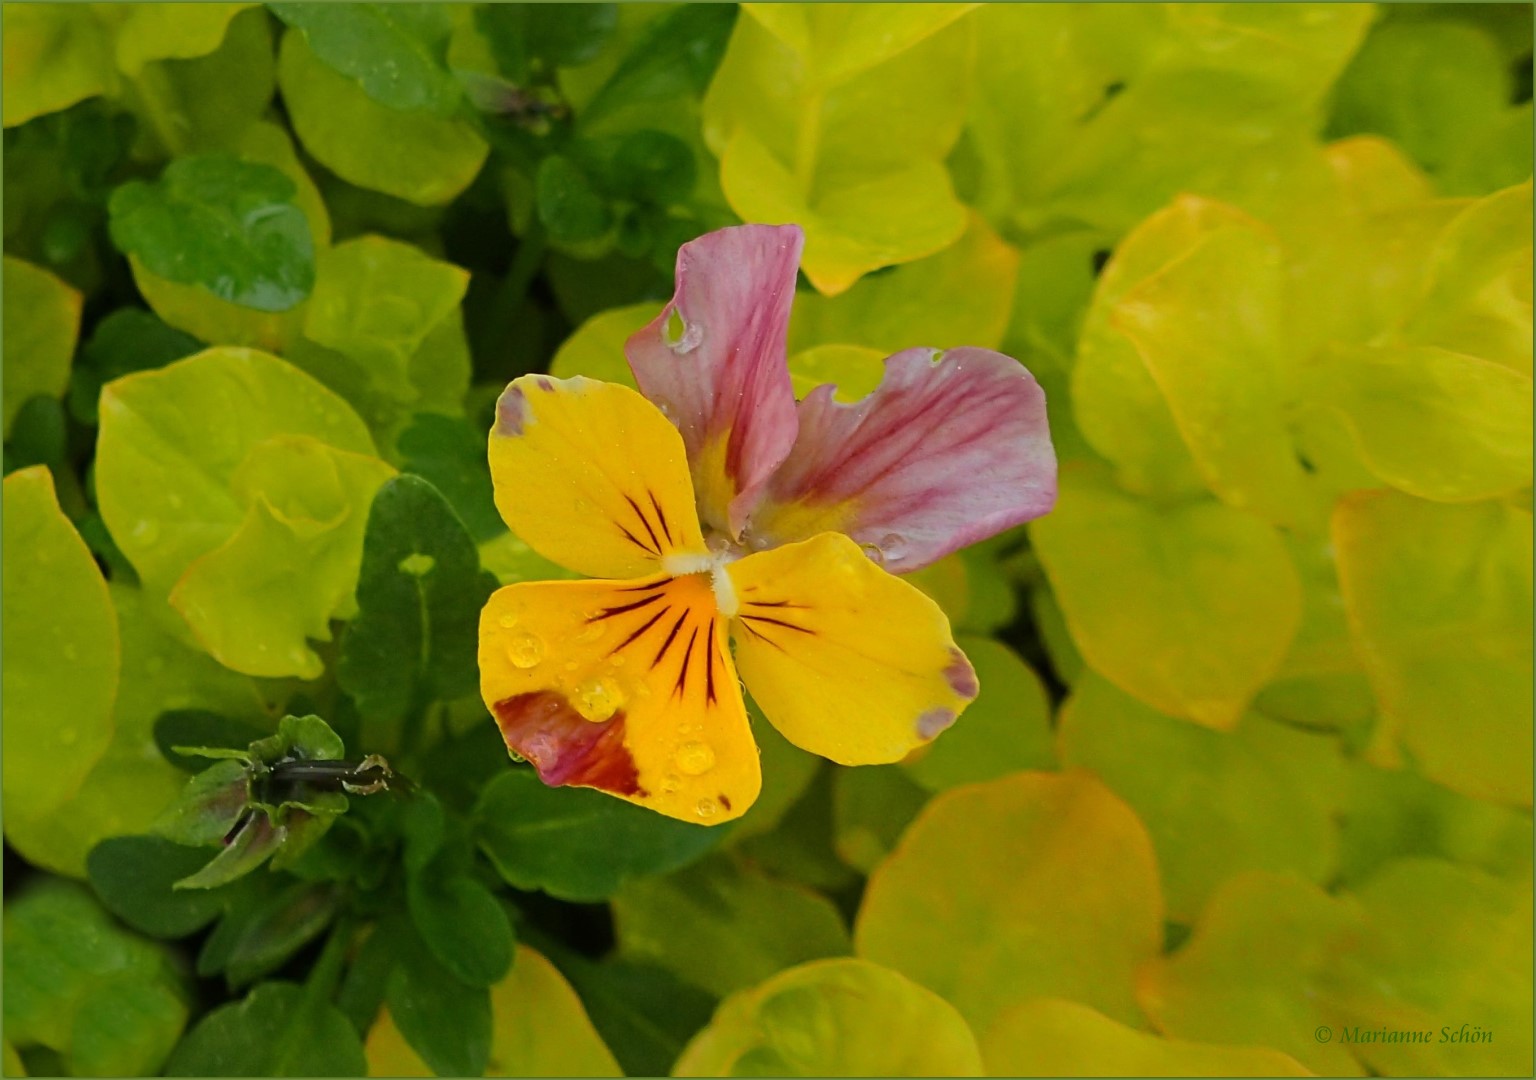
(591, 632)
(670, 784)
(146, 532)
(874, 553)
(507, 621)
(706, 807)
(695, 758)
(892, 547)
(598, 699)
(525, 651)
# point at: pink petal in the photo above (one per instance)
(724, 379)
(942, 454)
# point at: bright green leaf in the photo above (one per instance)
(1033, 884)
(42, 321)
(1190, 607)
(228, 226)
(833, 1018)
(397, 53)
(724, 927)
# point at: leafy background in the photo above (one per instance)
(1253, 751)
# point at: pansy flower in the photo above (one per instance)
(715, 509)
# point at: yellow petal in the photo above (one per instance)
(624, 686)
(846, 660)
(592, 476)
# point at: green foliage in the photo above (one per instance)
(106, 1000)
(40, 332)
(277, 1030)
(61, 636)
(228, 226)
(414, 637)
(834, 1018)
(1250, 756)
(577, 844)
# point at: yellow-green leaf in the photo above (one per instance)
(854, 369)
(416, 156)
(1477, 298)
(42, 321)
(596, 349)
(839, 118)
(376, 299)
(203, 457)
(1209, 327)
(1031, 885)
(1433, 423)
(538, 1028)
(301, 541)
(1006, 729)
(1052, 1037)
(1256, 972)
(61, 651)
(55, 55)
(1440, 600)
(1189, 607)
(1446, 951)
(833, 1018)
(961, 296)
(164, 32)
(132, 782)
(725, 927)
(1118, 405)
(1216, 803)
